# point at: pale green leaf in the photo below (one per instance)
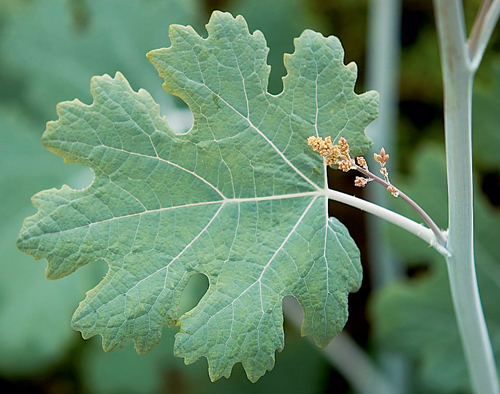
(240, 198)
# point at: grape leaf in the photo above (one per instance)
(239, 198)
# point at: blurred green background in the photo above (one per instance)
(49, 50)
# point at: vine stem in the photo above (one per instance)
(458, 72)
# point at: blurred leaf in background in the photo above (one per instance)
(54, 46)
(34, 313)
(299, 369)
(416, 316)
(486, 123)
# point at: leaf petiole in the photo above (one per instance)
(409, 225)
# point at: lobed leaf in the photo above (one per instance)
(239, 198)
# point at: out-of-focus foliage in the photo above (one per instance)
(486, 123)
(53, 47)
(416, 316)
(299, 369)
(33, 312)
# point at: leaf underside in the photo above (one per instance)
(238, 198)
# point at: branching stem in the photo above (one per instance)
(484, 24)
(458, 72)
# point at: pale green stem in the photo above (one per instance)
(486, 20)
(458, 73)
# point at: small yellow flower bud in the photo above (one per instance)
(324, 151)
(362, 162)
(334, 152)
(315, 143)
(344, 147)
(360, 181)
(330, 161)
(344, 165)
